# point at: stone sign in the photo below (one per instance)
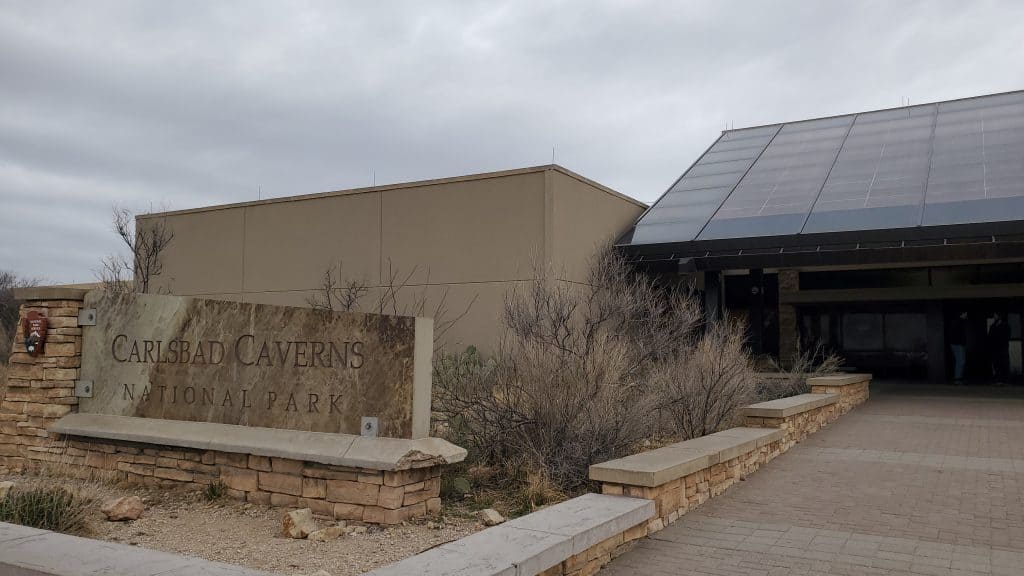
(256, 365)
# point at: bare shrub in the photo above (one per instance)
(583, 372)
(804, 364)
(136, 271)
(716, 379)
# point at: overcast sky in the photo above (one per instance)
(185, 104)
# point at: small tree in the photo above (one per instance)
(135, 273)
(398, 297)
(337, 293)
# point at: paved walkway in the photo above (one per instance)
(915, 481)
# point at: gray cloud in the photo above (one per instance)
(183, 104)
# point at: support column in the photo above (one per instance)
(757, 311)
(789, 282)
(712, 296)
(936, 324)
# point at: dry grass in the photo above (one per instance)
(47, 497)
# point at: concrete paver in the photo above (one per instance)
(917, 481)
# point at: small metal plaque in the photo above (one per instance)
(83, 388)
(368, 427)
(87, 317)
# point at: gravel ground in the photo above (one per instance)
(182, 521)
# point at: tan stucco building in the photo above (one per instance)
(468, 240)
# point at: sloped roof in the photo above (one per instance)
(913, 169)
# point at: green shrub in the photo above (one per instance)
(47, 507)
(215, 491)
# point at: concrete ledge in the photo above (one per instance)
(790, 406)
(662, 465)
(31, 552)
(334, 449)
(49, 293)
(533, 543)
(839, 380)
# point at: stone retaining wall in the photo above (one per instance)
(382, 497)
(695, 481)
(676, 497)
(572, 538)
(796, 426)
(853, 389)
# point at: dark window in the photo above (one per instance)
(863, 331)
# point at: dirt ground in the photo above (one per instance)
(182, 521)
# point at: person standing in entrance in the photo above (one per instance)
(958, 343)
(999, 348)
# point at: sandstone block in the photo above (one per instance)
(371, 478)
(229, 459)
(62, 349)
(405, 513)
(173, 474)
(283, 500)
(314, 488)
(25, 371)
(327, 534)
(433, 505)
(344, 511)
(286, 466)
(373, 515)
(281, 483)
(490, 517)
(240, 478)
(122, 509)
(46, 410)
(319, 507)
(261, 463)
(258, 498)
(403, 477)
(298, 523)
(352, 492)
(391, 497)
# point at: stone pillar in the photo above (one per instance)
(936, 324)
(712, 296)
(40, 389)
(756, 313)
(789, 282)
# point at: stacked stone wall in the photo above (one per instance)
(40, 389)
(676, 497)
(850, 395)
(591, 560)
(376, 496)
(798, 426)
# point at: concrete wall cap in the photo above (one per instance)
(29, 293)
(789, 406)
(323, 448)
(31, 552)
(530, 544)
(656, 467)
(839, 380)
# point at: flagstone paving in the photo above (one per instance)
(915, 481)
